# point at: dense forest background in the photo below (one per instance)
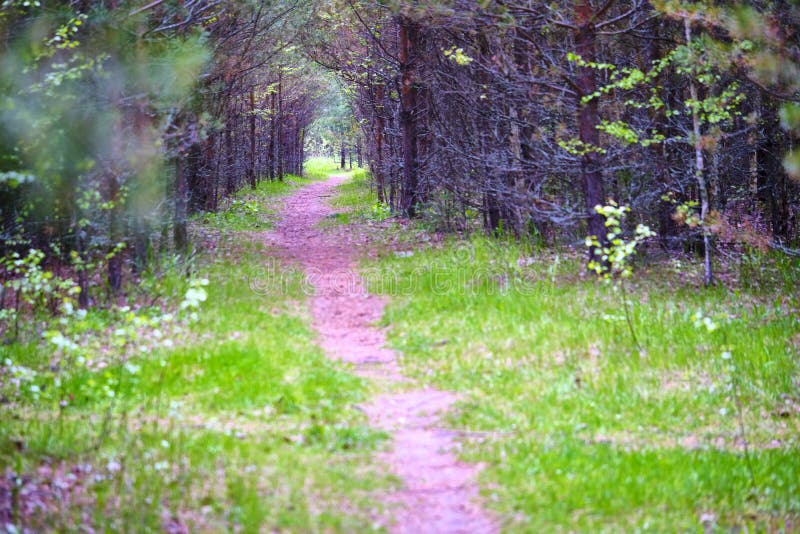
(120, 119)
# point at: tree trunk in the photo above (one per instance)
(280, 126)
(667, 229)
(251, 169)
(216, 176)
(775, 181)
(752, 144)
(209, 185)
(408, 36)
(699, 172)
(492, 210)
(115, 235)
(301, 150)
(230, 158)
(379, 127)
(180, 234)
(83, 276)
(141, 244)
(272, 130)
(588, 120)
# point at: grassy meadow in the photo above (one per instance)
(202, 405)
(694, 426)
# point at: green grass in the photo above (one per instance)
(320, 168)
(232, 421)
(251, 209)
(578, 429)
(356, 201)
(235, 420)
(355, 193)
(254, 209)
(582, 432)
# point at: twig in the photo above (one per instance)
(628, 316)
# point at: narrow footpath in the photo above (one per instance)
(439, 493)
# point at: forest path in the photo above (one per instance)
(439, 493)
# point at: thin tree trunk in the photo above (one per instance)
(492, 210)
(699, 172)
(115, 232)
(588, 120)
(407, 37)
(301, 149)
(141, 245)
(115, 235)
(251, 169)
(209, 184)
(492, 213)
(379, 126)
(280, 125)
(716, 201)
(83, 277)
(180, 234)
(141, 230)
(752, 143)
(272, 131)
(230, 158)
(217, 177)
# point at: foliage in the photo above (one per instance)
(759, 35)
(457, 55)
(117, 122)
(380, 211)
(35, 287)
(615, 257)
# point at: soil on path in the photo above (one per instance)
(439, 494)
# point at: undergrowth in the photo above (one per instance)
(249, 209)
(253, 209)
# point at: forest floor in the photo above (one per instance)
(323, 366)
(692, 426)
(438, 493)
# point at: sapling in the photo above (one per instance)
(380, 211)
(35, 287)
(616, 254)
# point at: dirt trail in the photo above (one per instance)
(439, 493)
